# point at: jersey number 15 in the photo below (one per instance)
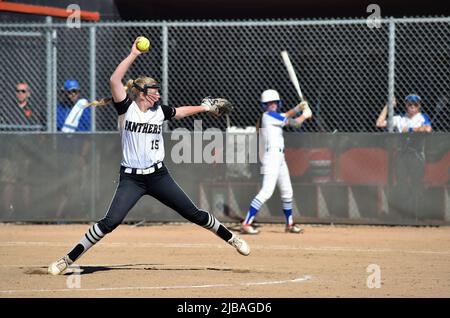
(155, 144)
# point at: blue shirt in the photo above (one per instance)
(62, 111)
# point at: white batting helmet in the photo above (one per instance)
(270, 95)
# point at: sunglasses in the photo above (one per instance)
(412, 105)
(23, 91)
(72, 92)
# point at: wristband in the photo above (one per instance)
(410, 130)
(293, 123)
(207, 106)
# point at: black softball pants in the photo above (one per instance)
(131, 188)
(159, 185)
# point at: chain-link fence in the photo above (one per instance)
(345, 68)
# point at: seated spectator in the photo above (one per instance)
(71, 116)
(22, 115)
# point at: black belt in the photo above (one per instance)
(148, 170)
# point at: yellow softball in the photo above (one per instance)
(143, 44)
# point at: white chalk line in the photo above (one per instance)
(297, 280)
(138, 288)
(194, 267)
(205, 245)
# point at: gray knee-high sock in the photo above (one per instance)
(92, 236)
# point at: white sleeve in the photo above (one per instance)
(121, 122)
(274, 119)
(73, 119)
(397, 122)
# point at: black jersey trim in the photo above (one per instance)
(122, 106)
(169, 112)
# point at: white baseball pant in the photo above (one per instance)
(275, 171)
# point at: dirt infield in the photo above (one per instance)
(188, 261)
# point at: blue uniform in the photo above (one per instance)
(62, 111)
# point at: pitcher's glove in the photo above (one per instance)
(217, 106)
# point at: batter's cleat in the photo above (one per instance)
(59, 266)
(248, 229)
(293, 229)
(241, 246)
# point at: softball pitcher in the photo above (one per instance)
(274, 167)
(142, 169)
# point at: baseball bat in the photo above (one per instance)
(292, 75)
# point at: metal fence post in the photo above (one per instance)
(92, 75)
(49, 74)
(92, 97)
(94, 179)
(54, 80)
(165, 68)
(391, 84)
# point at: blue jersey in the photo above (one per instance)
(62, 111)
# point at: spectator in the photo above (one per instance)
(411, 121)
(409, 161)
(23, 95)
(22, 116)
(71, 116)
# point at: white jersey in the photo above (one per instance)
(272, 124)
(274, 166)
(403, 121)
(73, 119)
(141, 133)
